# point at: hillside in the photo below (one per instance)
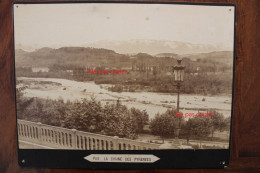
(225, 57)
(78, 56)
(93, 57)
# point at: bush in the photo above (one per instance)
(116, 88)
(165, 124)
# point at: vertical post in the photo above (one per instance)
(91, 143)
(74, 138)
(115, 143)
(105, 144)
(39, 129)
(87, 143)
(96, 144)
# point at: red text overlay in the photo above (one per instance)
(104, 72)
(199, 114)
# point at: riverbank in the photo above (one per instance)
(153, 103)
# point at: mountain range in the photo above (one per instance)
(154, 47)
(86, 56)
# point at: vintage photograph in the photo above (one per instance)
(123, 76)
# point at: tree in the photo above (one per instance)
(140, 117)
(155, 71)
(164, 124)
(56, 110)
(119, 121)
(21, 102)
(112, 123)
(85, 115)
(227, 123)
(218, 122)
(130, 126)
(197, 127)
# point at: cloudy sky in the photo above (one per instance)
(57, 25)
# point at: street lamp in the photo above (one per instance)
(178, 71)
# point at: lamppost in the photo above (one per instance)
(178, 71)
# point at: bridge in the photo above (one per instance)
(38, 135)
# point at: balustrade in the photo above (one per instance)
(62, 138)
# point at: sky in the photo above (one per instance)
(57, 25)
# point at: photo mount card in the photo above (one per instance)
(124, 85)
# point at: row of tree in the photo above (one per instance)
(85, 115)
(165, 125)
(115, 119)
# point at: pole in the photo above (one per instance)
(178, 108)
(178, 97)
(176, 142)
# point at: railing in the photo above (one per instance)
(62, 138)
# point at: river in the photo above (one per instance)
(153, 103)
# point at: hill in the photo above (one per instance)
(173, 55)
(225, 57)
(95, 57)
(79, 56)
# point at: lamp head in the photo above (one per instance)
(179, 61)
(178, 71)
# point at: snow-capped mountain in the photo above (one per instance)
(154, 47)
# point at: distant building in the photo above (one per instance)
(40, 69)
(69, 71)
